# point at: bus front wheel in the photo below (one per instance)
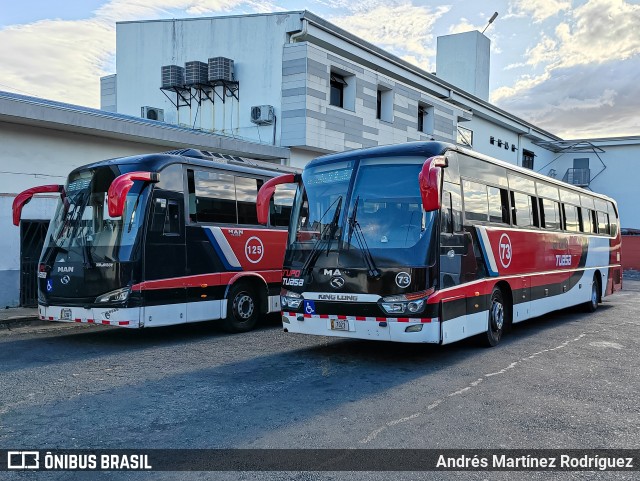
(242, 309)
(497, 318)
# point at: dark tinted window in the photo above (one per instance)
(572, 222)
(172, 219)
(337, 85)
(498, 205)
(551, 214)
(215, 197)
(246, 192)
(475, 201)
(603, 223)
(522, 208)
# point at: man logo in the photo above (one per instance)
(403, 280)
(23, 460)
(337, 282)
(65, 280)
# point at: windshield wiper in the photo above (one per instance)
(330, 229)
(354, 227)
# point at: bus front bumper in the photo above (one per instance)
(109, 316)
(416, 330)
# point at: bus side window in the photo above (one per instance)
(476, 206)
(594, 221)
(498, 205)
(572, 222)
(603, 223)
(191, 185)
(613, 219)
(521, 209)
(172, 219)
(246, 192)
(446, 214)
(586, 220)
(159, 214)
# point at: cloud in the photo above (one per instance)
(63, 59)
(465, 26)
(593, 100)
(589, 65)
(539, 10)
(403, 29)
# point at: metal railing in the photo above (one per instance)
(580, 177)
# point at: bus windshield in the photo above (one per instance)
(81, 227)
(384, 216)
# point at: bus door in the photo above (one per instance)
(165, 259)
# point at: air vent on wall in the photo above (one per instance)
(262, 114)
(172, 76)
(152, 113)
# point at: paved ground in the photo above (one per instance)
(567, 380)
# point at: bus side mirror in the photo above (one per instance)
(429, 180)
(266, 192)
(25, 196)
(121, 186)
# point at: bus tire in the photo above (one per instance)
(592, 304)
(243, 308)
(496, 319)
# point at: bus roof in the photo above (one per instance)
(194, 157)
(431, 148)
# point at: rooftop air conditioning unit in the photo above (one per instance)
(262, 114)
(172, 76)
(196, 73)
(152, 113)
(221, 68)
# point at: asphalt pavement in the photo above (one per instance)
(565, 380)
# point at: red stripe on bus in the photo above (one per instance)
(78, 320)
(90, 321)
(50, 318)
(217, 279)
(106, 322)
(425, 320)
(403, 319)
(360, 318)
(123, 323)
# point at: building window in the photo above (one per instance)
(337, 90)
(425, 118)
(527, 159)
(384, 104)
(465, 137)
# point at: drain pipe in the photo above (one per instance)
(302, 33)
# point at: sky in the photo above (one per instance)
(571, 67)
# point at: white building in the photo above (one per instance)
(332, 91)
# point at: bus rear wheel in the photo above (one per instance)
(497, 318)
(592, 304)
(242, 309)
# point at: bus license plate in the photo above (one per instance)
(339, 325)
(65, 315)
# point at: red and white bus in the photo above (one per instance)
(429, 242)
(162, 239)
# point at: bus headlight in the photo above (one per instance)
(290, 299)
(119, 295)
(412, 303)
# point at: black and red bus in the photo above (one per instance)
(430, 242)
(161, 239)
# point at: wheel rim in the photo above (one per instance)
(243, 306)
(594, 295)
(497, 315)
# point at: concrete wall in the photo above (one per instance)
(32, 156)
(253, 42)
(309, 120)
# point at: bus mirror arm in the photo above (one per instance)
(121, 186)
(266, 193)
(25, 196)
(429, 179)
